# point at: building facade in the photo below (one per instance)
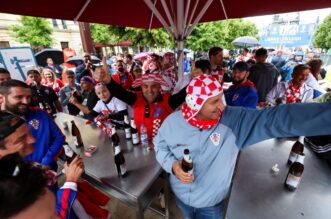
(66, 33)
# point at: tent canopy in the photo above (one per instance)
(137, 14)
(179, 17)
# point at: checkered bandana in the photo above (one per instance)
(149, 78)
(292, 93)
(199, 90)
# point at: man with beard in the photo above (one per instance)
(15, 97)
(122, 77)
(242, 92)
(150, 106)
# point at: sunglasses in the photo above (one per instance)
(147, 111)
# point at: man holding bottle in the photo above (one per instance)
(214, 134)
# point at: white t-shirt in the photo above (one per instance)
(114, 106)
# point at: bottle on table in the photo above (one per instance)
(134, 133)
(114, 136)
(127, 127)
(143, 135)
(297, 148)
(69, 153)
(187, 163)
(76, 135)
(118, 155)
(295, 173)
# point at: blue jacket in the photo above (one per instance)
(242, 95)
(214, 151)
(49, 138)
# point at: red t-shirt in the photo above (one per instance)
(218, 75)
(126, 84)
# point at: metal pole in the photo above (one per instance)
(224, 11)
(85, 34)
(166, 9)
(180, 38)
(180, 59)
(191, 17)
(188, 3)
(152, 16)
(159, 16)
(82, 10)
(197, 19)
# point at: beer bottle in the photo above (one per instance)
(118, 155)
(143, 135)
(77, 96)
(114, 136)
(295, 173)
(76, 135)
(187, 164)
(297, 148)
(127, 127)
(134, 133)
(69, 153)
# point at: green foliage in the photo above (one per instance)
(156, 38)
(323, 34)
(106, 34)
(33, 30)
(219, 33)
(139, 37)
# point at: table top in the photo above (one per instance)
(142, 167)
(256, 193)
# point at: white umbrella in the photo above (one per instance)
(247, 41)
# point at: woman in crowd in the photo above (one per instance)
(50, 80)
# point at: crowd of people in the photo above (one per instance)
(193, 111)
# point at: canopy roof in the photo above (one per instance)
(136, 13)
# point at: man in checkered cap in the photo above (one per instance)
(214, 133)
(150, 106)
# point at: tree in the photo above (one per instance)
(322, 38)
(219, 33)
(33, 30)
(139, 37)
(107, 34)
(156, 38)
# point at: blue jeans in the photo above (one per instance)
(189, 212)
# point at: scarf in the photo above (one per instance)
(292, 93)
(199, 123)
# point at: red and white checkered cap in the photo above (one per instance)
(200, 89)
(149, 78)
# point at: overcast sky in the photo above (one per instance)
(305, 17)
